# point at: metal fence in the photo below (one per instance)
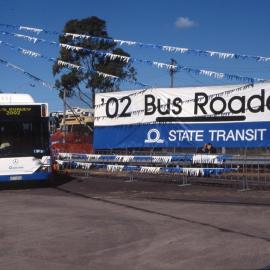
(241, 171)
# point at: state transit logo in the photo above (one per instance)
(153, 136)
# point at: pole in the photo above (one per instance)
(172, 72)
(64, 113)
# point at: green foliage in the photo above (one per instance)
(74, 80)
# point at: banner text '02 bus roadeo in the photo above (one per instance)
(225, 115)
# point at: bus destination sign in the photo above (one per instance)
(20, 111)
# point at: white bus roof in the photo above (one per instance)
(11, 99)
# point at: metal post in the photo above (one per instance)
(131, 178)
(245, 186)
(172, 71)
(185, 181)
(64, 114)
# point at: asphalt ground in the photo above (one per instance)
(109, 223)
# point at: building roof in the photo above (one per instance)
(10, 99)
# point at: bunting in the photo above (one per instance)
(165, 48)
(65, 64)
(29, 75)
(207, 73)
(189, 171)
(33, 77)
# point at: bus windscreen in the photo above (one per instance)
(24, 137)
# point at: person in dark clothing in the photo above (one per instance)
(202, 150)
(211, 149)
(207, 148)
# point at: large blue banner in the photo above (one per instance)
(175, 135)
(226, 116)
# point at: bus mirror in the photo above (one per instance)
(43, 110)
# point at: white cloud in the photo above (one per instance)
(185, 22)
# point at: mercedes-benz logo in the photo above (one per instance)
(15, 161)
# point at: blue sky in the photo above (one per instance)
(239, 26)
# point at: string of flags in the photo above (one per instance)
(29, 75)
(63, 63)
(111, 56)
(60, 62)
(208, 73)
(32, 77)
(46, 84)
(190, 171)
(166, 48)
(164, 159)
